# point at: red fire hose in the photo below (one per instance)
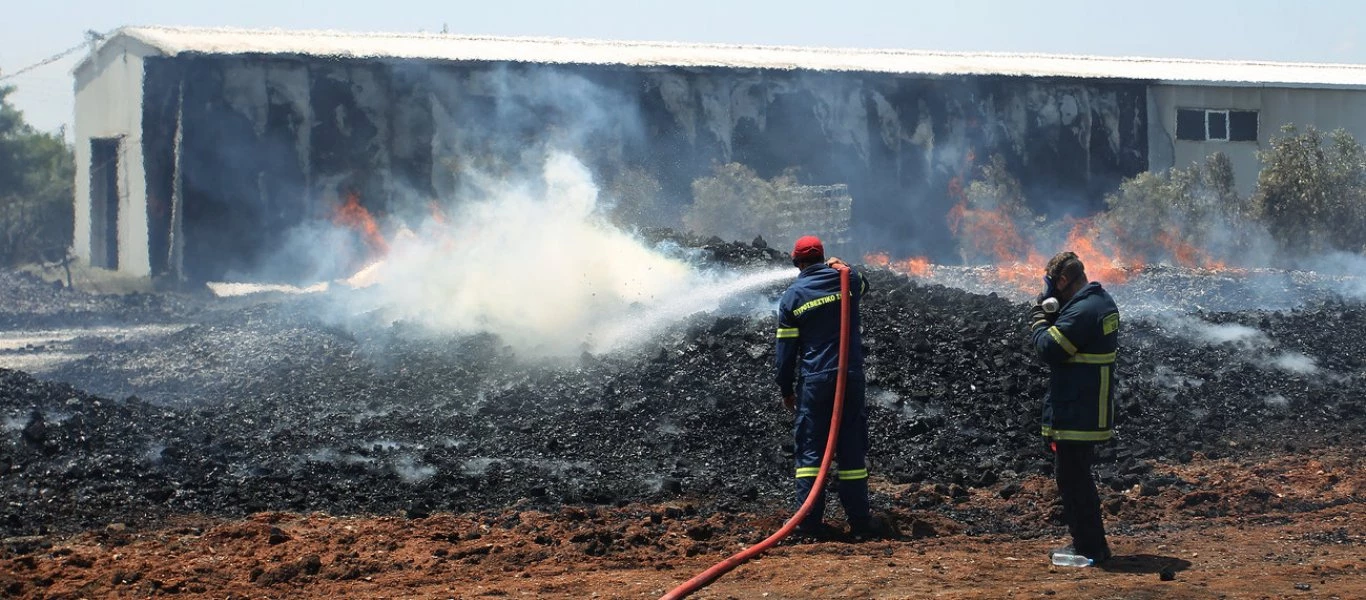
(705, 578)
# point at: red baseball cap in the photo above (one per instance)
(808, 249)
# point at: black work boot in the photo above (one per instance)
(875, 527)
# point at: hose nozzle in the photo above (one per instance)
(1050, 305)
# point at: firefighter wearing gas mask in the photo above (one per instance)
(1074, 328)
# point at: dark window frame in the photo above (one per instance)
(1228, 114)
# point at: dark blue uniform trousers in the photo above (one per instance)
(1080, 501)
(815, 402)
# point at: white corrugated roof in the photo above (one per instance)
(173, 41)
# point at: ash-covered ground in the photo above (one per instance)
(228, 407)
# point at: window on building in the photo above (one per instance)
(1190, 125)
(1204, 124)
(1216, 125)
(1242, 126)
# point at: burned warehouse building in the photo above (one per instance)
(199, 150)
(366, 315)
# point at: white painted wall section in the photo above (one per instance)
(109, 105)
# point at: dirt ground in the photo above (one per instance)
(1290, 526)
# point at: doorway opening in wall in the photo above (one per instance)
(104, 203)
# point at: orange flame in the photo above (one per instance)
(1024, 273)
(877, 259)
(1104, 261)
(989, 233)
(916, 266)
(1186, 254)
(352, 214)
(983, 232)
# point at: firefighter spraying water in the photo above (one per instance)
(826, 371)
(808, 362)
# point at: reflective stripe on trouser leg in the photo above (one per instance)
(810, 429)
(852, 454)
(847, 474)
(810, 432)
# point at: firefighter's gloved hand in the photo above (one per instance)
(1038, 317)
(836, 263)
(790, 402)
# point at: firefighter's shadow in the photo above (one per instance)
(1145, 563)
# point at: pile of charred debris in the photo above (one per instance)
(258, 405)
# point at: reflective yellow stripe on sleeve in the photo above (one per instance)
(803, 472)
(1062, 339)
(787, 332)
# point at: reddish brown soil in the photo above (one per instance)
(1280, 527)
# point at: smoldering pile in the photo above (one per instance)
(31, 303)
(1158, 289)
(265, 407)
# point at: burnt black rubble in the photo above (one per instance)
(30, 303)
(1158, 288)
(714, 250)
(1161, 288)
(266, 407)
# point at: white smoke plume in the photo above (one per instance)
(533, 263)
(1258, 348)
(1295, 362)
(1199, 330)
(1348, 267)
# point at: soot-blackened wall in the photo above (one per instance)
(272, 142)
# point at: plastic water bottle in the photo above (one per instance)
(1069, 559)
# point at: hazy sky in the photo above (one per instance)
(1224, 29)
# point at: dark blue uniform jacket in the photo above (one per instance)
(1080, 347)
(809, 327)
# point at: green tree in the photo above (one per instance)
(1311, 192)
(1193, 216)
(735, 203)
(36, 175)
